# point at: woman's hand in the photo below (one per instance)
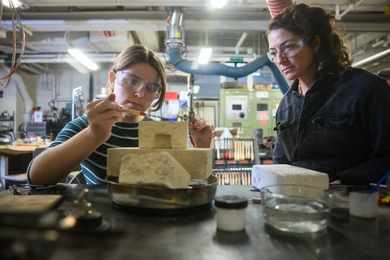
(201, 132)
(102, 114)
(335, 182)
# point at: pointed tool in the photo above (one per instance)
(129, 112)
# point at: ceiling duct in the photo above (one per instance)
(109, 36)
(276, 6)
(175, 47)
(175, 30)
(7, 47)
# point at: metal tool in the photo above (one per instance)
(83, 218)
(130, 112)
(191, 113)
(81, 205)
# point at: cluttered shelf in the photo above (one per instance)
(233, 160)
(7, 126)
(234, 176)
(234, 152)
(234, 157)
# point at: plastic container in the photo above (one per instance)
(231, 212)
(362, 204)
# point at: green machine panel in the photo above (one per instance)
(264, 105)
(248, 110)
(235, 110)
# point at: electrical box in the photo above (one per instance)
(264, 106)
(248, 110)
(236, 111)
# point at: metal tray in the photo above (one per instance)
(162, 201)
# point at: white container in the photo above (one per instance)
(362, 204)
(231, 212)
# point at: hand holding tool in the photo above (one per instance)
(191, 115)
(129, 112)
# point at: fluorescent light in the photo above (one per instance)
(15, 2)
(218, 3)
(78, 55)
(204, 55)
(371, 58)
(76, 65)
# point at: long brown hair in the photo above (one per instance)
(137, 54)
(309, 21)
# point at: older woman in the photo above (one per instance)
(334, 118)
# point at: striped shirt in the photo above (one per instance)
(95, 165)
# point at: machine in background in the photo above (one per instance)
(249, 110)
(207, 109)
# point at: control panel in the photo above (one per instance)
(236, 107)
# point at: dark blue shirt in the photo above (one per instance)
(339, 128)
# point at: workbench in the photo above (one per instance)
(195, 236)
(15, 159)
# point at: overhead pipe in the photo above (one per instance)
(350, 8)
(370, 47)
(231, 72)
(175, 30)
(338, 15)
(371, 58)
(175, 47)
(21, 87)
(28, 102)
(240, 41)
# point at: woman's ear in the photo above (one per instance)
(111, 78)
(316, 44)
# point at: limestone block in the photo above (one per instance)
(166, 171)
(163, 135)
(197, 161)
(275, 174)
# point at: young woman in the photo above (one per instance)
(137, 81)
(334, 119)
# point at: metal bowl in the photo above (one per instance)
(160, 200)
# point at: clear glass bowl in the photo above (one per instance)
(296, 208)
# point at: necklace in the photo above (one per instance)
(299, 88)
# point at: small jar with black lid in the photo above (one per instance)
(231, 212)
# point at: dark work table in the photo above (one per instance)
(195, 236)
(13, 162)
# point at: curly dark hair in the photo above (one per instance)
(384, 74)
(312, 20)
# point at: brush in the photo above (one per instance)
(379, 182)
(129, 112)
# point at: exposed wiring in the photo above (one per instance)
(15, 62)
